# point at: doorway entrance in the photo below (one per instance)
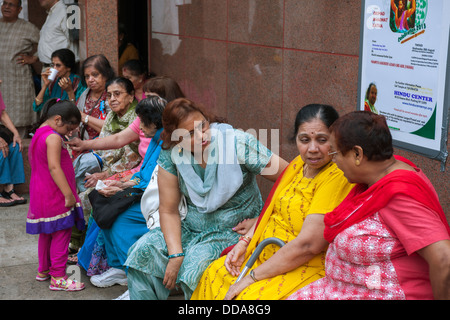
(133, 15)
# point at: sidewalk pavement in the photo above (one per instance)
(19, 264)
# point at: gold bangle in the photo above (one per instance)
(252, 275)
(38, 101)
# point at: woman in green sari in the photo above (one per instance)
(215, 167)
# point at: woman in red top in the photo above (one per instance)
(389, 239)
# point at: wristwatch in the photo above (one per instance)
(86, 119)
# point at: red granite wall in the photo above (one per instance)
(99, 30)
(257, 62)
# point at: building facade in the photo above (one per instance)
(255, 62)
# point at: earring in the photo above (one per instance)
(357, 162)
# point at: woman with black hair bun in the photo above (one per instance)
(136, 72)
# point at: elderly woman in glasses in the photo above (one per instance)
(124, 160)
(164, 89)
(130, 134)
(114, 164)
(160, 86)
(130, 225)
(215, 167)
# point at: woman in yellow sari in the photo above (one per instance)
(311, 186)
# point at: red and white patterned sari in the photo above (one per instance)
(374, 237)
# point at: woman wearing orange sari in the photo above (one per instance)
(310, 186)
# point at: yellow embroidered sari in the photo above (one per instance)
(294, 198)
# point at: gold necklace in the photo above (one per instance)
(306, 172)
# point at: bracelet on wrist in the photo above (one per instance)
(252, 275)
(176, 255)
(136, 180)
(246, 239)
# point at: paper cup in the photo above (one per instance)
(53, 73)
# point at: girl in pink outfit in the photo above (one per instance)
(54, 204)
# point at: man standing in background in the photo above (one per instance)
(18, 39)
(55, 32)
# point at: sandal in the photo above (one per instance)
(72, 259)
(9, 203)
(65, 284)
(8, 195)
(42, 276)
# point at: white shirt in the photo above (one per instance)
(55, 34)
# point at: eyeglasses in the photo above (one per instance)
(58, 65)
(9, 4)
(116, 94)
(333, 154)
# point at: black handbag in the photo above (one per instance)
(105, 210)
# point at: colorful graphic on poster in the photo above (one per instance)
(403, 67)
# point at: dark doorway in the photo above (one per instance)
(134, 16)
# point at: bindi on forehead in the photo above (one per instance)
(314, 133)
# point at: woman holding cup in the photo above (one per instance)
(59, 81)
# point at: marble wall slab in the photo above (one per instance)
(99, 33)
(257, 62)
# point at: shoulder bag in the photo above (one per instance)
(105, 210)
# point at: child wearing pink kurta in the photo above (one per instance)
(54, 203)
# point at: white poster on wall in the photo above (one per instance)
(403, 69)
